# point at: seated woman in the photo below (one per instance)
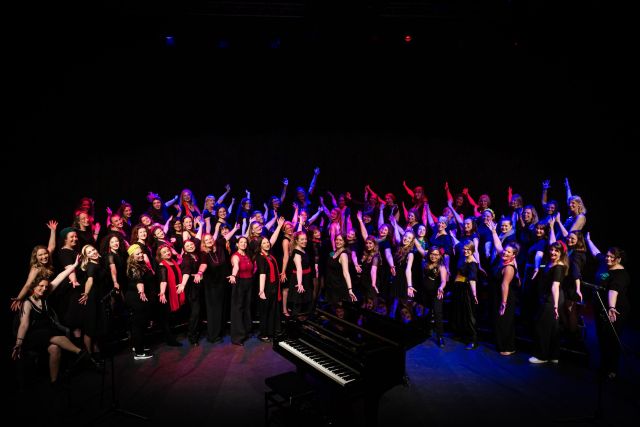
(37, 330)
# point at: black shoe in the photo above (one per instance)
(441, 342)
(215, 340)
(80, 358)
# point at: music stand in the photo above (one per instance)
(108, 347)
(598, 411)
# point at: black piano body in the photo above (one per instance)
(352, 355)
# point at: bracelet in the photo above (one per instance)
(612, 308)
(349, 289)
(200, 273)
(21, 339)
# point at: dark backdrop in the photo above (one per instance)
(102, 107)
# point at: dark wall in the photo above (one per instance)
(120, 113)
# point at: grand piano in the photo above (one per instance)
(353, 355)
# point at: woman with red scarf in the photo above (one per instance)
(170, 277)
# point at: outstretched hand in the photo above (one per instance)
(52, 225)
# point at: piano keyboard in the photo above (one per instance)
(320, 361)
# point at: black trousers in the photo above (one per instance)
(241, 310)
(194, 295)
(214, 291)
(547, 345)
(607, 342)
(505, 325)
(269, 315)
(139, 320)
(464, 313)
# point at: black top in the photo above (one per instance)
(443, 241)
(617, 280)
(548, 276)
(467, 272)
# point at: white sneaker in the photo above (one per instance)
(142, 356)
(534, 359)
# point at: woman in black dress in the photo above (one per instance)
(506, 283)
(96, 288)
(338, 281)
(547, 340)
(189, 268)
(300, 282)
(615, 281)
(36, 330)
(435, 277)
(465, 298)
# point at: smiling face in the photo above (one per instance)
(265, 245)
(190, 246)
(41, 288)
(114, 244)
(159, 233)
(611, 259)
(71, 240)
(243, 243)
(146, 220)
(42, 256)
(156, 204)
(572, 239)
(165, 253)
(142, 234)
(339, 241)
(554, 254)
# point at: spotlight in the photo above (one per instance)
(169, 41)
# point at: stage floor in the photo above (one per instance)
(223, 384)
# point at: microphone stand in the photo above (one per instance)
(598, 412)
(114, 408)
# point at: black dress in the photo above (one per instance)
(464, 306)
(335, 283)
(95, 321)
(301, 301)
(619, 281)
(505, 324)
(547, 344)
(41, 327)
(366, 282)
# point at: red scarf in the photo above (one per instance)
(274, 272)
(175, 300)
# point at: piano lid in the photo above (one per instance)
(404, 330)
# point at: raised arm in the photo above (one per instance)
(333, 199)
(165, 227)
(269, 225)
(374, 195)
(363, 228)
(312, 186)
(285, 183)
(496, 239)
(568, 188)
(545, 192)
(171, 202)
(52, 225)
(465, 191)
(430, 219)
(67, 272)
(405, 212)
(276, 233)
(381, 216)
(233, 200)
(592, 247)
(563, 230)
(408, 190)
(456, 215)
(397, 233)
(316, 215)
(448, 192)
(225, 194)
